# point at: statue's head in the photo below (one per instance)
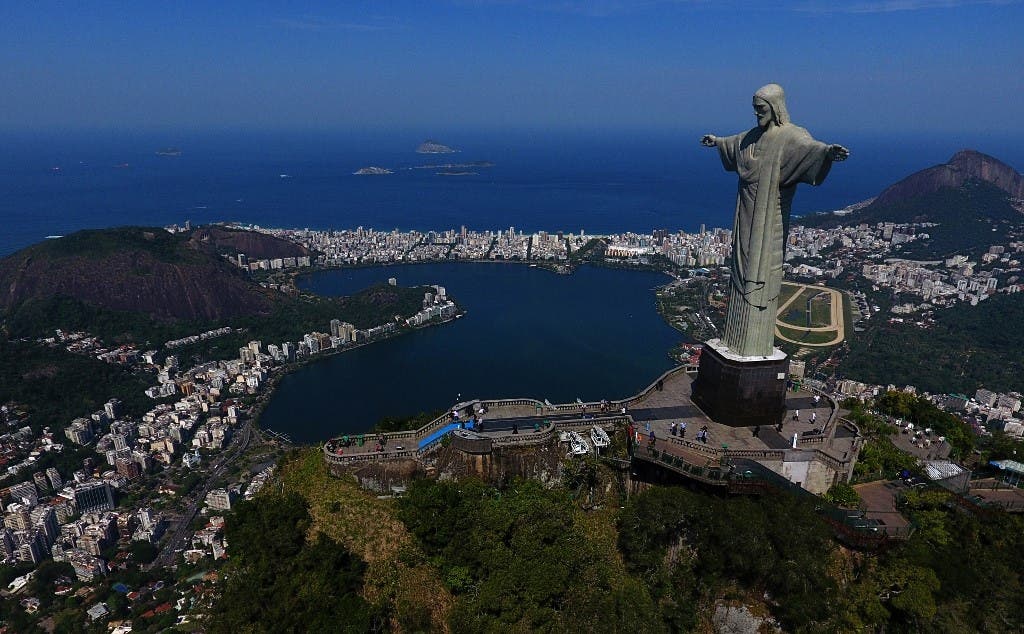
(772, 96)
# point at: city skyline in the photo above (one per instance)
(918, 65)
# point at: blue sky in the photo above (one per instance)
(908, 65)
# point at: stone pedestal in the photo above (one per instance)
(741, 391)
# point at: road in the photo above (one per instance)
(236, 447)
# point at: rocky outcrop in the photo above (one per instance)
(966, 165)
(433, 147)
(215, 239)
(503, 465)
(739, 619)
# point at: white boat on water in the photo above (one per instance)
(599, 437)
(577, 446)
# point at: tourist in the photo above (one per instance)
(652, 438)
(682, 429)
(796, 415)
(814, 417)
(757, 430)
(515, 428)
(817, 399)
(672, 428)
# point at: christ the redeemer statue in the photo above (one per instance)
(771, 159)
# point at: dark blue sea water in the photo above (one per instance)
(600, 182)
(527, 333)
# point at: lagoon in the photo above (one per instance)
(527, 332)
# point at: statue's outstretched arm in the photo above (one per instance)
(708, 140)
(838, 153)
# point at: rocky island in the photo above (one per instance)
(433, 147)
(448, 166)
(372, 171)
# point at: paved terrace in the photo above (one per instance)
(664, 402)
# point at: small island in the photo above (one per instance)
(373, 171)
(433, 147)
(471, 164)
(169, 151)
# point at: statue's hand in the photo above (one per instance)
(838, 153)
(708, 140)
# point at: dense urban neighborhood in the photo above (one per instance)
(133, 506)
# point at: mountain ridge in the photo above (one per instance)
(141, 269)
(962, 167)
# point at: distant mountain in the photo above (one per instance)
(974, 199)
(966, 165)
(139, 269)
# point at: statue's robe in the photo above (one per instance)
(770, 164)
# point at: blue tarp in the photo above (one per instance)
(1008, 465)
(432, 438)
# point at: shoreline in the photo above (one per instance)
(560, 269)
(267, 394)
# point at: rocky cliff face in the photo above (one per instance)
(966, 165)
(257, 246)
(132, 269)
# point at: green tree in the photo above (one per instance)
(843, 494)
(517, 559)
(279, 581)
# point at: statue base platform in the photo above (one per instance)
(741, 391)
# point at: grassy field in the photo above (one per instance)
(821, 310)
(796, 314)
(804, 336)
(788, 290)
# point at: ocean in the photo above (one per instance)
(601, 182)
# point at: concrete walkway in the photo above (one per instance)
(659, 409)
(656, 411)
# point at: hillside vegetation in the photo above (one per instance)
(967, 348)
(970, 218)
(465, 556)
